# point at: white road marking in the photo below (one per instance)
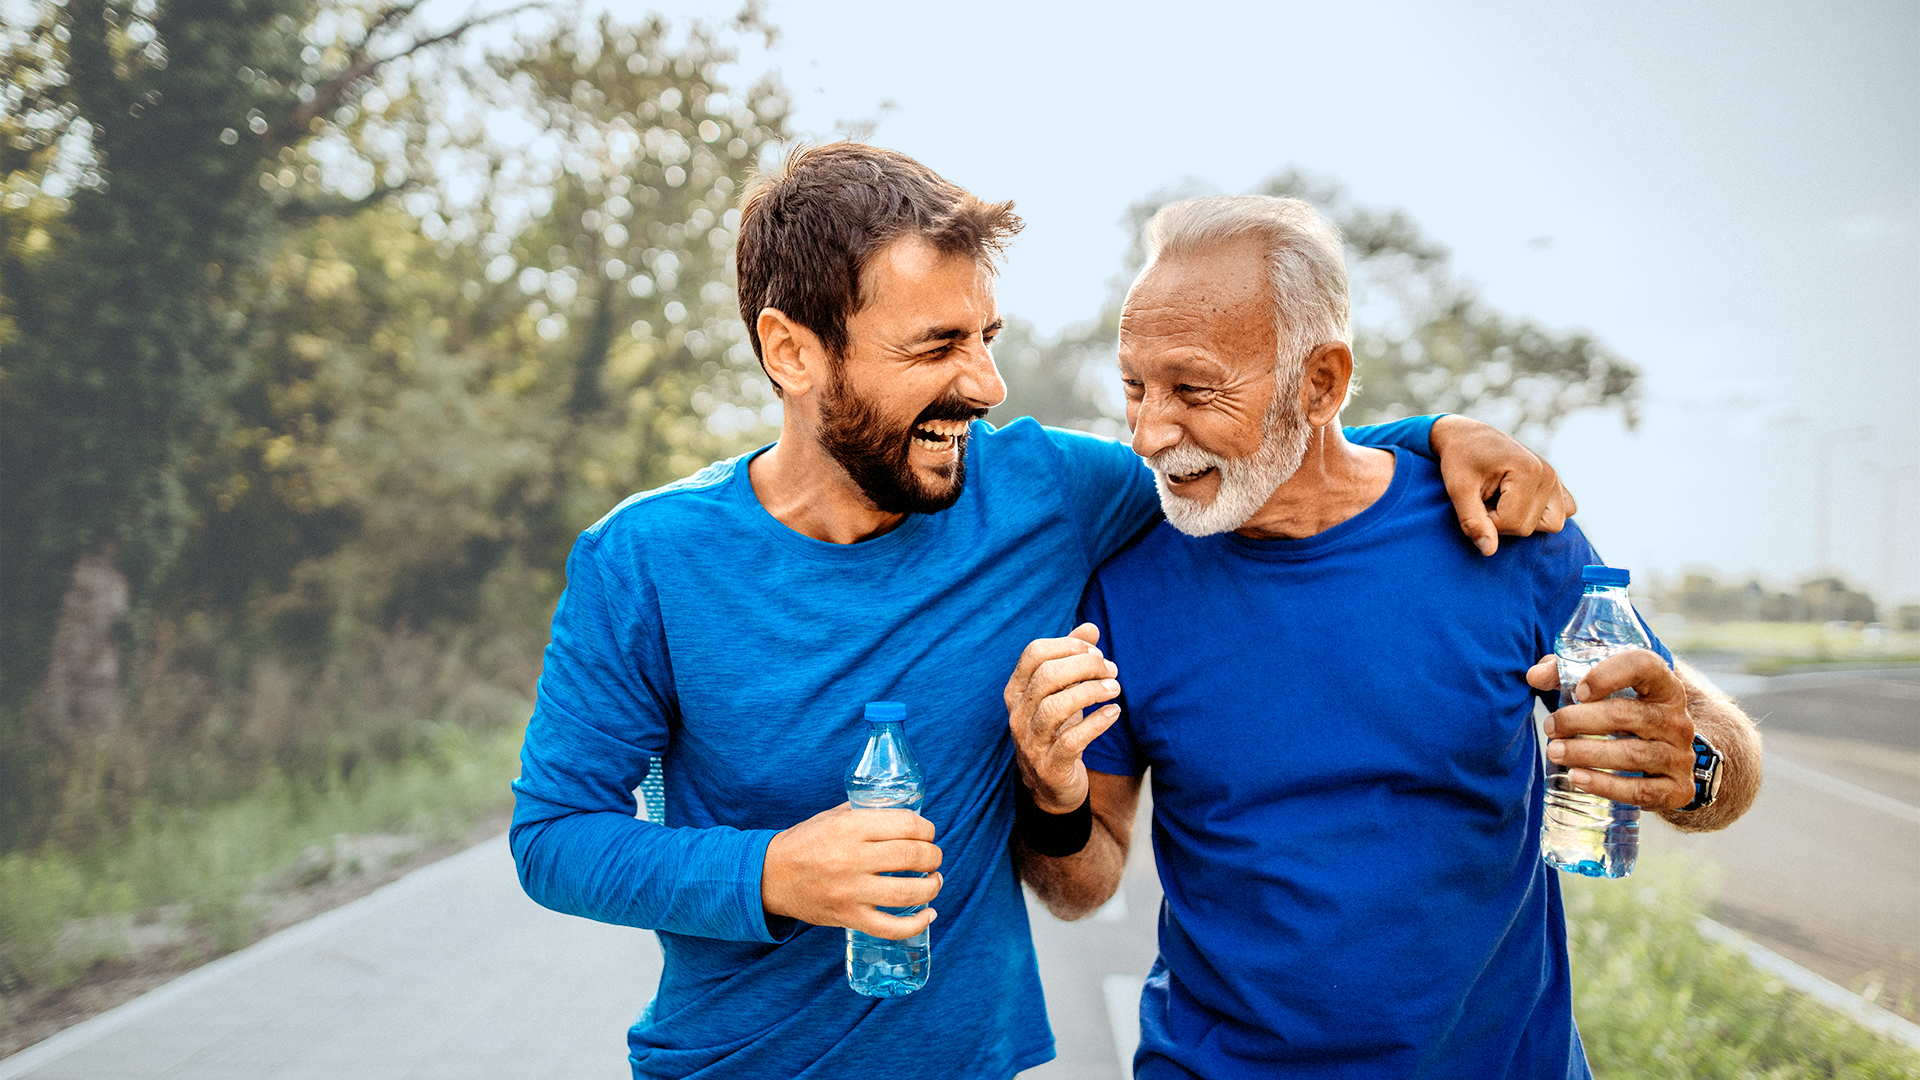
(1781, 768)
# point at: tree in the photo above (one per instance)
(139, 145)
(1424, 341)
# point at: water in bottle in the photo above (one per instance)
(1583, 833)
(886, 776)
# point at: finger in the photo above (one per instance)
(1644, 672)
(901, 892)
(1042, 651)
(916, 856)
(1474, 519)
(1652, 792)
(1055, 676)
(1523, 500)
(876, 825)
(892, 927)
(1075, 738)
(1621, 755)
(1559, 506)
(1545, 675)
(1065, 708)
(1567, 502)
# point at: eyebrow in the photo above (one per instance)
(956, 333)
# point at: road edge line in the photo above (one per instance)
(1818, 987)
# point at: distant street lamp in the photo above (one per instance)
(1823, 484)
(1891, 477)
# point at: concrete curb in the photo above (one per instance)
(1831, 994)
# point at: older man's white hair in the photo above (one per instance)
(1307, 281)
(1306, 271)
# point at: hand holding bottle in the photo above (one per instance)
(1661, 749)
(830, 870)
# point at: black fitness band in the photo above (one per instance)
(1053, 835)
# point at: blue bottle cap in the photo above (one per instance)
(886, 710)
(1601, 575)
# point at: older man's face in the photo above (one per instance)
(1208, 412)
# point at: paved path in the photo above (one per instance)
(452, 972)
(1825, 869)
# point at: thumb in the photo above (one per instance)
(1475, 521)
(1086, 632)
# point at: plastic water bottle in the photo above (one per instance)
(886, 776)
(1583, 833)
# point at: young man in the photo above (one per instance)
(888, 547)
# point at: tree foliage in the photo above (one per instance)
(1425, 341)
(412, 352)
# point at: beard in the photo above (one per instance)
(1245, 483)
(874, 452)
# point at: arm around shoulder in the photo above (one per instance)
(1722, 723)
(1073, 886)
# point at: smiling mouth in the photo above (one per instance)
(1188, 478)
(940, 434)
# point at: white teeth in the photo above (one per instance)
(941, 430)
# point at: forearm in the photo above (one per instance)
(1073, 886)
(1721, 722)
(611, 867)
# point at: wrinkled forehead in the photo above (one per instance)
(1216, 303)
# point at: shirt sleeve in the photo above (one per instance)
(1414, 435)
(601, 714)
(1113, 750)
(1109, 490)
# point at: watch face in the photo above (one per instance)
(1706, 774)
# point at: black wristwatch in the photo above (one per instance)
(1706, 775)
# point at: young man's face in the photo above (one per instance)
(894, 411)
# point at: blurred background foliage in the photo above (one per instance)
(323, 335)
(324, 329)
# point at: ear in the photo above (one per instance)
(1324, 380)
(792, 353)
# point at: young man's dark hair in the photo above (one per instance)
(808, 230)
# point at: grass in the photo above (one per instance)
(1772, 648)
(59, 909)
(1656, 1001)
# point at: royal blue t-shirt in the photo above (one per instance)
(698, 629)
(1346, 794)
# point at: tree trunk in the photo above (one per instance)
(82, 695)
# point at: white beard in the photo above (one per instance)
(1245, 483)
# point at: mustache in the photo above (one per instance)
(950, 408)
(1184, 459)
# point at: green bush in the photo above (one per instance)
(1656, 1001)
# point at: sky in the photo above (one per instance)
(1726, 193)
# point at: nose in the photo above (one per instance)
(1154, 426)
(980, 380)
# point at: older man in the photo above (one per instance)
(1329, 688)
(732, 626)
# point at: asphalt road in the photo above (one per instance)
(1825, 869)
(453, 972)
